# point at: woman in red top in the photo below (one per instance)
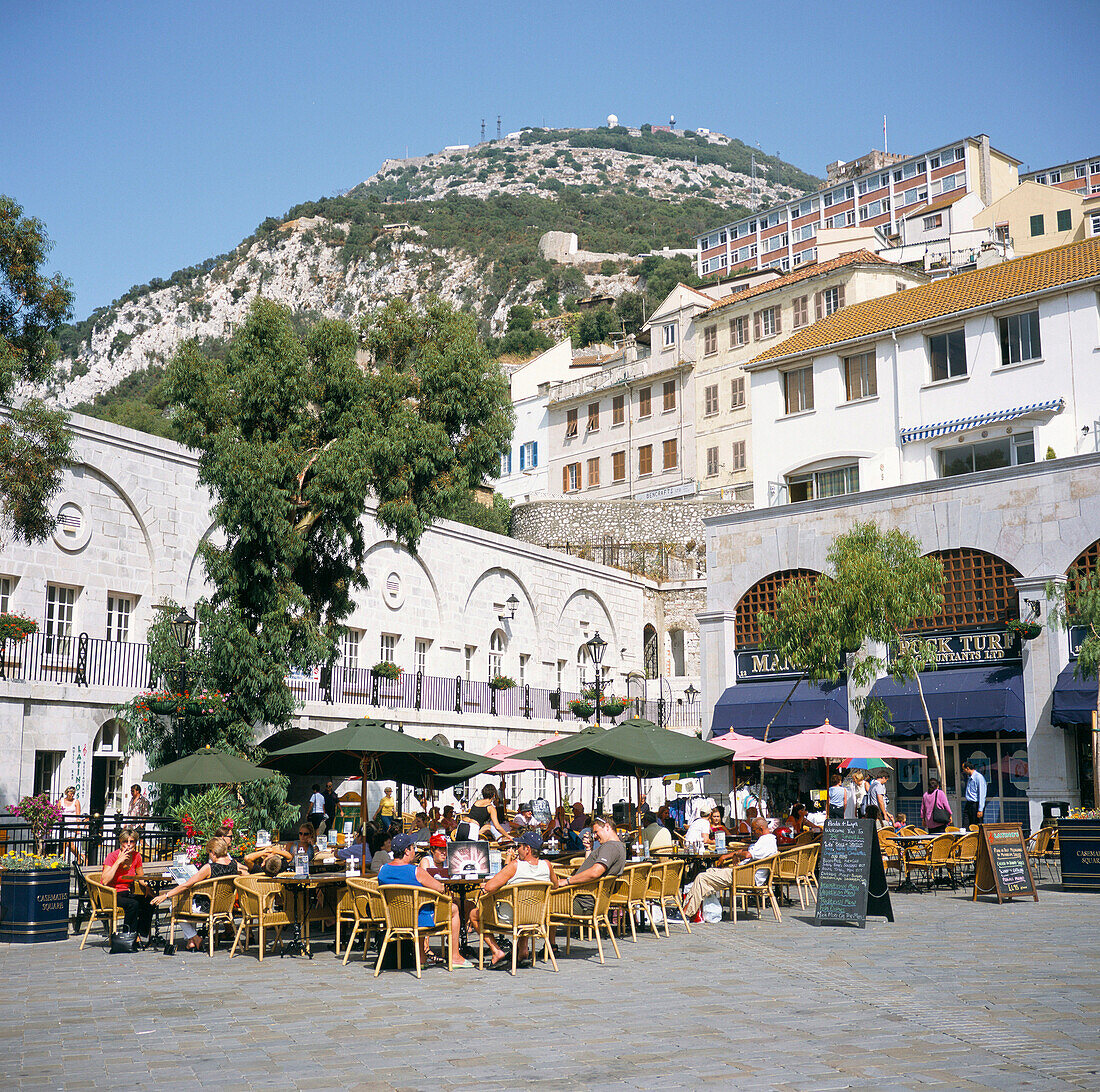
(121, 869)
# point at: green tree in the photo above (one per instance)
(34, 443)
(1076, 602)
(875, 587)
(294, 435)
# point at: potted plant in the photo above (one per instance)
(501, 682)
(14, 627)
(612, 707)
(1026, 631)
(34, 885)
(582, 710)
(1079, 849)
(386, 670)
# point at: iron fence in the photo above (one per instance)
(82, 661)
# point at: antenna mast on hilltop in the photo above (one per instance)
(482, 130)
(498, 126)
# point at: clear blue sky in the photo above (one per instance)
(150, 136)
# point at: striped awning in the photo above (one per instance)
(960, 424)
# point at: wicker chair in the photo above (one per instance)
(743, 884)
(258, 895)
(807, 870)
(1037, 847)
(562, 911)
(367, 910)
(892, 856)
(528, 916)
(222, 895)
(401, 907)
(963, 856)
(105, 906)
(629, 895)
(934, 859)
(786, 871)
(668, 892)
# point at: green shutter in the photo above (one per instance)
(1065, 220)
(1037, 224)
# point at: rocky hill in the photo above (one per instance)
(463, 224)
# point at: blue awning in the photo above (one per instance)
(749, 706)
(973, 701)
(960, 424)
(1074, 698)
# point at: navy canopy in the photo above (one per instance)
(1074, 698)
(749, 706)
(973, 701)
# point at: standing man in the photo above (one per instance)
(878, 798)
(332, 802)
(974, 798)
(316, 807)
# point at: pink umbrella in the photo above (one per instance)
(744, 748)
(834, 743)
(509, 764)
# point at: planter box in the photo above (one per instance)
(1079, 846)
(34, 906)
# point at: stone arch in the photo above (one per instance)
(507, 574)
(391, 543)
(1087, 560)
(979, 590)
(763, 596)
(612, 634)
(139, 519)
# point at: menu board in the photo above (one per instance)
(1002, 867)
(851, 880)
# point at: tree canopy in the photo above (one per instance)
(34, 444)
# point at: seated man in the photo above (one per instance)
(527, 867)
(403, 869)
(524, 817)
(422, 831)
(714, 880)
(655, 833)
(608, 857)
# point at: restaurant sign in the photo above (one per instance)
(974, 649)
(1077, 637)
(765, 663)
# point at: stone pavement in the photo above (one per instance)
(952, 995)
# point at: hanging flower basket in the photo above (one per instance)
(14, 627)
(162, 705)
(386, 670)
(501, 682)
(1026, 631)
(582, 710)
(613, 708)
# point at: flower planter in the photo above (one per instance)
(34, 905)
(1079, 848)
(162, 706)
(581, 710)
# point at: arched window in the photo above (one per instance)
(978, 590)
(1088, 559)
(583, 661)
(497, 644)
(763, 596)
(649, 652)
(676, 643)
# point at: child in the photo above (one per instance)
(900, 821)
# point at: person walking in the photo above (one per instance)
(316, 807)
(935, 809)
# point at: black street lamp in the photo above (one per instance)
(691, 694)
(183, 628)
(596, 648)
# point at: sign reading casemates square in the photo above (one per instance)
(969, 649)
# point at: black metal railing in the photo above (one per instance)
(86, 840)
(87, 661)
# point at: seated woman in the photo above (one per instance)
(306, 835)
(123, 871)
(795, 824)
(485, 813)
(219, 863)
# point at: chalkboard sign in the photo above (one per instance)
(851, 880)
(1002, 868)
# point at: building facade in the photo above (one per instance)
(991, 368)
(1034, 218)
(882, 197)
(1013, 708)
(1078, 176)
(739, 326)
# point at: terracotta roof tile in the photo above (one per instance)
(1055, 268)
(856, 257)
(935, 206)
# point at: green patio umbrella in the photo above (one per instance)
(207, 767)
(377, 753)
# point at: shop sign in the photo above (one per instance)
(1077, 637)
(669, 492)
(765, 663)
(969, 649)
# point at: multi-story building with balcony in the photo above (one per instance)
(737, 327)
(882, 197)
(997, 367)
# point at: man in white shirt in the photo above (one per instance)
(699, 831)
(715, 880)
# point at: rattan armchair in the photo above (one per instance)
(222, 896)
(963, 856)
(105, 906)
(258, 895)
(1038, 846)
(364, 899)
(564, 912)
(665, 881)
(401, 907)
(745, 883)
(629, 895)
(527, 915)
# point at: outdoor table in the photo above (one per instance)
(696, 862)
(157, 879)
(297, 889)
(463, 885)
(908, 844)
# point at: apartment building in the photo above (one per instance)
(1033, 217)
(738, 326)
(1080, 176)
(986, 369)
(881, 197)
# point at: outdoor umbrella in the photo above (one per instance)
(744, 749)
(506, 763)
(377, 753)
(864, 764)
(834, 743)
(207, 767)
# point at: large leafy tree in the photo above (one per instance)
(34, 443)
(295, 433)
(875, 587)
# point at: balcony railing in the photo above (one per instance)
(92, 661)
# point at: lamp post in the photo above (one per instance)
(596, 648)
(183, 629)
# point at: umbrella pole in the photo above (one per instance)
(363, 814)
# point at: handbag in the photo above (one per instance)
(941, 816)
(124, 941)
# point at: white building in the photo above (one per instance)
(995, 367)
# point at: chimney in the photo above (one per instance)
(630, 349)
(985, 177)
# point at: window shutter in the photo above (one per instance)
(756, 325)
(778, 319)
(840, 297)
(817, 306)
(522, 452)
(535, 453)
(565, 479)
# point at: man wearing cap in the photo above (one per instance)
(403, 869)
(608, 857)
(435, 860)
(528, 867)
(524, 816)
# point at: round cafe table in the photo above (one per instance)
(462, 885)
